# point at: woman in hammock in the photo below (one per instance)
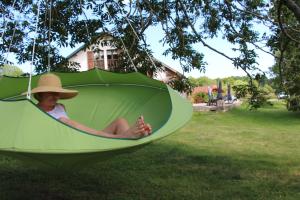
(49, 91)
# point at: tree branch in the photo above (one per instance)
(281, 24)
(205, 44)
(199, 36)
(241, 36)
(292, 6)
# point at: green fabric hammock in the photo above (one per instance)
(28, 132)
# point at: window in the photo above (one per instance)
(99, 59)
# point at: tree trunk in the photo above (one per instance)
(294, 7)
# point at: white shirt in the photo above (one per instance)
(58, 112)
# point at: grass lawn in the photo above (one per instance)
(234, 155)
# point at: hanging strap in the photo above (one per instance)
(135, 33)
(126, 50)
(33, 52)
(49, 38)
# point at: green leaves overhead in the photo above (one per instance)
(186, 25)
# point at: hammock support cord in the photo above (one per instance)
(135, 33)
(153, 13)
(123, 44)
(49, 41)
(49, 38)
(33, 52)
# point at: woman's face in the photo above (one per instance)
(48, 98)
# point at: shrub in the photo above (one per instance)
(10, 70)
(200, 97)
(293, 103)
(240, 90)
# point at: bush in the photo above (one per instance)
(258, 98)
(181, 84)
(257, 95)
(293, 103)
(200, 97)
(240, 90)
(10, 70)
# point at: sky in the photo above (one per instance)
(217, 65)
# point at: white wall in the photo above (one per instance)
(161, 76)
(81, 58)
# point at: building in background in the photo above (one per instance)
(103, 54)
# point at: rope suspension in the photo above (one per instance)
(135, 33)
(33, 52)
(49, 38)
(123, 44)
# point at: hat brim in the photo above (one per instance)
(63, 93)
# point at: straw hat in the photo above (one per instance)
(51, 83)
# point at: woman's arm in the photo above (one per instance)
(87, 129)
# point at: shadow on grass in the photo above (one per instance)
(159, 171)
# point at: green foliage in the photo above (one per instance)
(269, 91)
(178, 19)
(182, 84)
(201, 81)
(284, 43)
(229, 80)
(256, 94)
(206, 81)
(10, 70)
(70, 26)
(241, 90)
(200, 97)
(258, 97)
(240, 82)
(293, 103)
(185, 23)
